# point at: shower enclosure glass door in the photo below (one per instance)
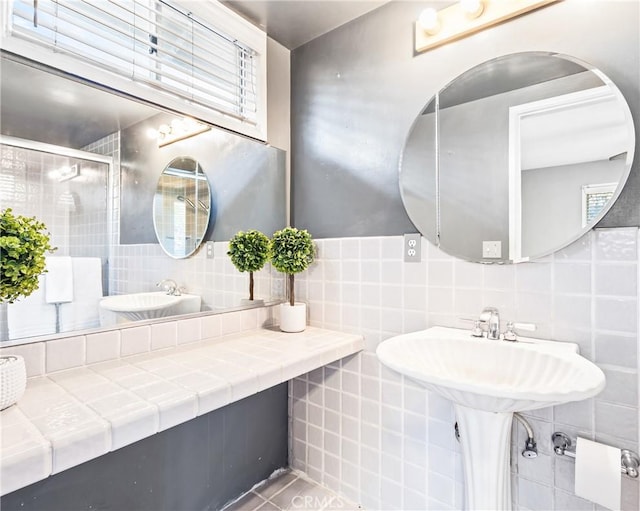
(68, 190)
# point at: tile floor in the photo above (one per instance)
(290, 491)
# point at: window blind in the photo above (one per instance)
(595, 202)
(153, 42)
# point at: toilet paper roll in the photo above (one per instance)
(598, 476)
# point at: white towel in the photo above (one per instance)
(30, 316)
(83, 312)
(59, 280)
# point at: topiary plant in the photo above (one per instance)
(23, 243)
(292, 251)
(249, 251)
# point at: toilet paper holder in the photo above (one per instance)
(629, 460)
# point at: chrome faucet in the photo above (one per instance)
(490, 317)
(170, 287)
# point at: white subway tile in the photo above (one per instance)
(440, 300)
(579, 250)
(440, 273)
(616, 349)
(103, 346)
(468, 275)
(533, 277)
(391, 247)
(500, 277)
(574, 311)
(210, 326)
(230, 323)
(415, 274)
(329, 249)
(574, 278)
(350, 248)
(65, 353)
(616, 244)
(34, 357)
(135, 340)
(616, 421)
(164, 335)
(188, 330)
(370, 271)
(616, 314)
(370, 248)
(616, 279)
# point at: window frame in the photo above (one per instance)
(212, 12)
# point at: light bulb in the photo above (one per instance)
(472, 8)
(429, 21)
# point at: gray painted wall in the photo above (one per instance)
(357, 90)
(199, 465)
(247, 181)
(552, 214)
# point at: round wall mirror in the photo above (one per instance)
(517, 157)
(181, 207)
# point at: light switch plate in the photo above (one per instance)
(492, 249)
(209, 247)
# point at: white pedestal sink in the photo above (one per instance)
(487, 381)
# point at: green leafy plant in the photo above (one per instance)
(249, 251)
(23, 243)
(292, 251)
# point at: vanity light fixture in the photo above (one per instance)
(472, 8)
(435, 28)
(179, 129)
(429, 21)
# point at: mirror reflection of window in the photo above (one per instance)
(594, 199)
(565, 142)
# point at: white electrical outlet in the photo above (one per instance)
(492, 249)
(209, 247)
(412, 245)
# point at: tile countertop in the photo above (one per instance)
(68, 417)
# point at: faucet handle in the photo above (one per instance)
(529, 327)
(510, 332)
(476, 330)
(168, 285)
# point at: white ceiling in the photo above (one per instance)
(295, 22)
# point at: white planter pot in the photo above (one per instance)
(255, 303)
(13, 380)
(293, 319)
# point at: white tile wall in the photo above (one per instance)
(386, 443)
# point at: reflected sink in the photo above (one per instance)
(138, 306)
(495, 376)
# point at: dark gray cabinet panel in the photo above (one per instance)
(198, 465)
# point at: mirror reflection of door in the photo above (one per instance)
(565, 155)
(181, 207)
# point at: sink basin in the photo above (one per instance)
(495, 376)
(487, 381)
(138, 306)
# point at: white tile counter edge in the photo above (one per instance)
(70, 416)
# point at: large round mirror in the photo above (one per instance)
(517, 157)
(181, 207)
